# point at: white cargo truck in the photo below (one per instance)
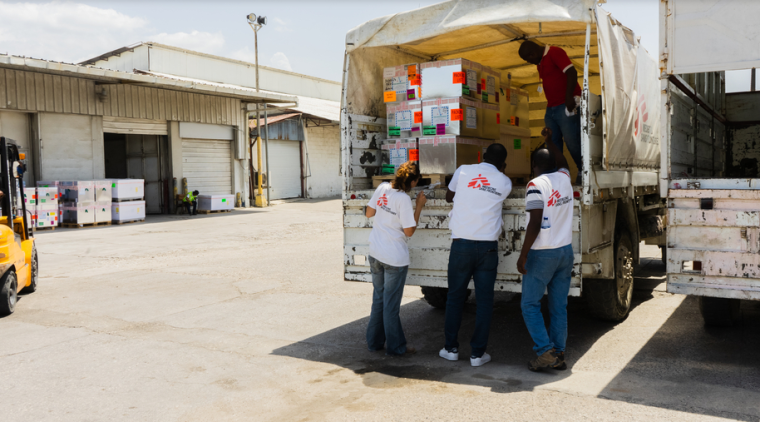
(710, 150)
(617, 205)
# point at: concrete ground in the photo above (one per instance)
(245, 316)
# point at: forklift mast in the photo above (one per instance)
(12, 202)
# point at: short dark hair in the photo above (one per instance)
(496, 154)
(527, 47)
(543, 159)
(195, 192)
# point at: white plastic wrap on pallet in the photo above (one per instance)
(103, 191)
(79, 213)
(102, 212)
(77, 191)
(216, 202)
(128, 211)
(126, 189)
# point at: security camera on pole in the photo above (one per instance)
(256, 22)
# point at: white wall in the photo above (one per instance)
(71, 147)
(324, 159)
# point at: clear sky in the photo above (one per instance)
(302, 36)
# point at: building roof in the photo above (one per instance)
(323, 109)
(145, 78)
(118, 51)
(271, 120)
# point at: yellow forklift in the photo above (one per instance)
(18, 256)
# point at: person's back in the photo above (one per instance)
(555, 192)
(478, 192)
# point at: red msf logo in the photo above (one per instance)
(553, 198)
(383, 201)
(641, 115)
(478, 182)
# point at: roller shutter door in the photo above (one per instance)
(285, 161)
(207, 165)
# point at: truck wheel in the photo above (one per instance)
(8, 294)
(610, 300)
(436, 296)
(35, 274)
(719, 312)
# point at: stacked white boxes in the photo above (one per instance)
(47, 213)
(78, 199)
(127, 196)
(103, 196)
(216, 202)
(460, 116)
(30, 202)
(459, 78)
(401, 83)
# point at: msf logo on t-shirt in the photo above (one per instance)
(556, 199)
(481, 183)
(382, 202)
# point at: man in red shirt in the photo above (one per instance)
(563, 96)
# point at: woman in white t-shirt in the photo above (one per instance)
(394, 222)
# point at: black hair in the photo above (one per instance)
(496, 154)
(196, 193)
(527, 47)
(543, 159)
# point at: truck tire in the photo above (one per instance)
(8, 294)
(610, 300)
(436, 296)
(35, 274)
(719, 312)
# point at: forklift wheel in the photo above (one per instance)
(8, 294)
(35, 274)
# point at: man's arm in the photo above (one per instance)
(531, 233)
(453, 184)
(450, 195)
(560, 162)
(572, 81)
(369, 212)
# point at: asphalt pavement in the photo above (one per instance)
(245, 316)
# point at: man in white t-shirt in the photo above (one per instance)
(478, 192)
(546, 260)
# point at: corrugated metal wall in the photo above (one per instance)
(31, 91)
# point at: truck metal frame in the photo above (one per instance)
(614, 209)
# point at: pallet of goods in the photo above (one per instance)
(127, 212)
(127, 200)
(103, 197)
(215, 203)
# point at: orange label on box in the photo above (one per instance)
(513, 121)
(415, 81)
(411, 70)
(389, 96)
(498, 118)
(460, 78)
(414, 155)
(417, 117)
(457, 115)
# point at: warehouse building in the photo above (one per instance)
(304, 140)
(79, 122)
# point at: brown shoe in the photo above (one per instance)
(561, 365)
(547, 360)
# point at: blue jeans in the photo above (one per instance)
(548, 270)
(384, 321)
(567, 128)
(477, 260)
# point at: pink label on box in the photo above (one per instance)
(416, 129)
(440, 129)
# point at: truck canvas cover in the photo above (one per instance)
(489, 32)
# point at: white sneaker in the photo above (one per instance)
(452, 356)
(481, 360)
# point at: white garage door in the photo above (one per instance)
(285, 162)
(207, 165)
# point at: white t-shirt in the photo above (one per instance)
(480, 193)
(393, 214)
(554, 193)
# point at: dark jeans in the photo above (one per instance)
(384, 322)
(565, 128)
(194, 207)
(477, 260)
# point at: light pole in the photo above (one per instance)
(256, 22)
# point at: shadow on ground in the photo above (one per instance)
(681, 353)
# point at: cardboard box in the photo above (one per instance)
(46, 215)
(78, 212)
(401, 83)
(460, 116)
(30, 198)
(404, 120)
(77, 191)
(47, 195)
(51, 184)
(444, 154)
(515, 133)
(400, 151)
(103, 192)
(127, 189)
(216, 202)
(102, 212)
(128, 211)
(459, 78)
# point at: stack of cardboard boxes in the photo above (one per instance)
(78, 199)
(443, 114)
(128, 203)
(46, 213)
